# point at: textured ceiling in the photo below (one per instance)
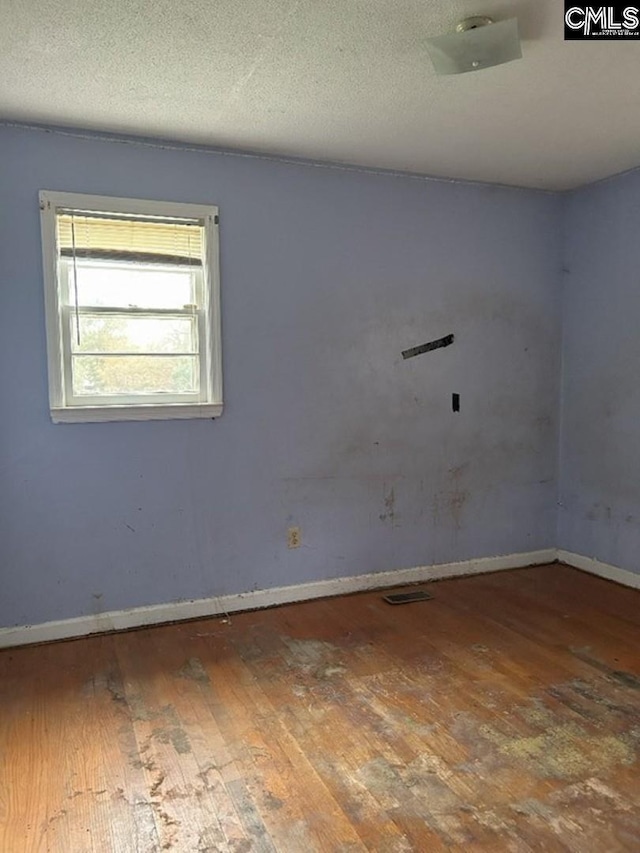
(341, 80)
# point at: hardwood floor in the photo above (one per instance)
(503, 715)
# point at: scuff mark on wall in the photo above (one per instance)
(390, 507)
(96, 603)
(456, 501)
(457, 497)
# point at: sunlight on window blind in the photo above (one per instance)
(132, 239)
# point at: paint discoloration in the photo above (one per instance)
(456, 471)
(455, 498)
(389, 513)
(456, 501)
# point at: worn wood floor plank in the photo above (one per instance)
(503, 715)
(74, 736)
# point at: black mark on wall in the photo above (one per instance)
(455, 402)
(441, 342)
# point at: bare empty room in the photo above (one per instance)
(320, 443)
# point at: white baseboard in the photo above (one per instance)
(176, 611)
(603, 570)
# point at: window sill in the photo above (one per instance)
(103, 414)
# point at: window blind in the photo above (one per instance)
(129, 238)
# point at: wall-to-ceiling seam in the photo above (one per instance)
(169, 145)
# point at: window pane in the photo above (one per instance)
(135, 374)
(130, 285)
(112, 333)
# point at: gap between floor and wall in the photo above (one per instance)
(177, 611)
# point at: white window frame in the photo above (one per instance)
(64, 407)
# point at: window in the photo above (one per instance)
(132, 308)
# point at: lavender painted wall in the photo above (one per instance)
(599, 514)
(327, 275)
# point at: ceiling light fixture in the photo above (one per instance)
(477, 43)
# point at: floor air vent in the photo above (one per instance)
(407, 597)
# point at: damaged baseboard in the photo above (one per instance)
(176, 611)
(602, 570)
(156, 614)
